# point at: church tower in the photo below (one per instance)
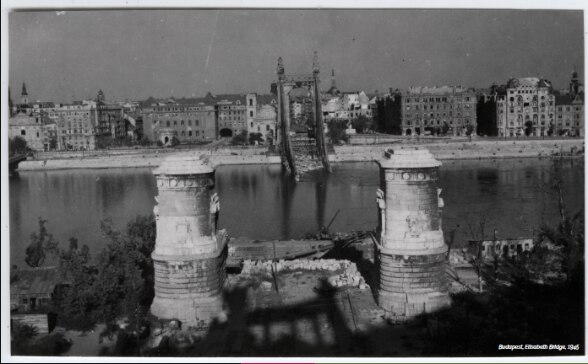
(574, 83)
(334, 91)
(100, 98)
(24, 96)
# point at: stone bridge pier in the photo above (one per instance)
(410, 253)
(189, 258)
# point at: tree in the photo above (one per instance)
(10, 104)
(528, 127)
(21, 334)
(53, 144)
(569, 233)
(337, 131)
(469, 129)
(240, 139)
(76, 302)
(476, 224)
(388, 114)
(144, 141)
(486, 116)
(41, 243)
(116, 284)
(360, 124)
(255, 137)
(19, 145)
(445, 128)
(175, 141)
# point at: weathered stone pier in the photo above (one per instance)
(189, 256)
(411, 251)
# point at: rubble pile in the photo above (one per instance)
(458, 257)
(265, 266)
(349, 277)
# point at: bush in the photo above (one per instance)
(469, 129)
(18, 145)
(240, 139)
(337, 131)
(21, 335)
(361, 124)
(255, 137)
(118, 282)
(145, 142)
(175, 141)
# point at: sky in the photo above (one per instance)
(134, 54)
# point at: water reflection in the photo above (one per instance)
(262, 203)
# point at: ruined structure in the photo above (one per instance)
(411, 251)
(189, 256)
(301, 140)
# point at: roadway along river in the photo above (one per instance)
(261, 203)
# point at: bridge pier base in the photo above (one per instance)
(189, 256)
(411, 252)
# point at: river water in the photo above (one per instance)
(260, 202)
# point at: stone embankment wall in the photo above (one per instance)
(478, 149)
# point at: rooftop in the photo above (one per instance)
(37, 281)
(436, 90)
(528, 82)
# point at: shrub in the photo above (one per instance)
(337, 131)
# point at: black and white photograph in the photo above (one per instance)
(296, 182)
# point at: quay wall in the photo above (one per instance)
(466, 150)
(478, 149)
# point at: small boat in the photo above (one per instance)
(241, 249)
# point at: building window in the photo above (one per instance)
(189, 133)
(189, 122)
(182, 122)
(23, 132)
(167, 123)
(251, 113)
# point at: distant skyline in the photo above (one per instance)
(134, 54)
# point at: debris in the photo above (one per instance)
(266, 286)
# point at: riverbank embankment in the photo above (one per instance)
(476, 149)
